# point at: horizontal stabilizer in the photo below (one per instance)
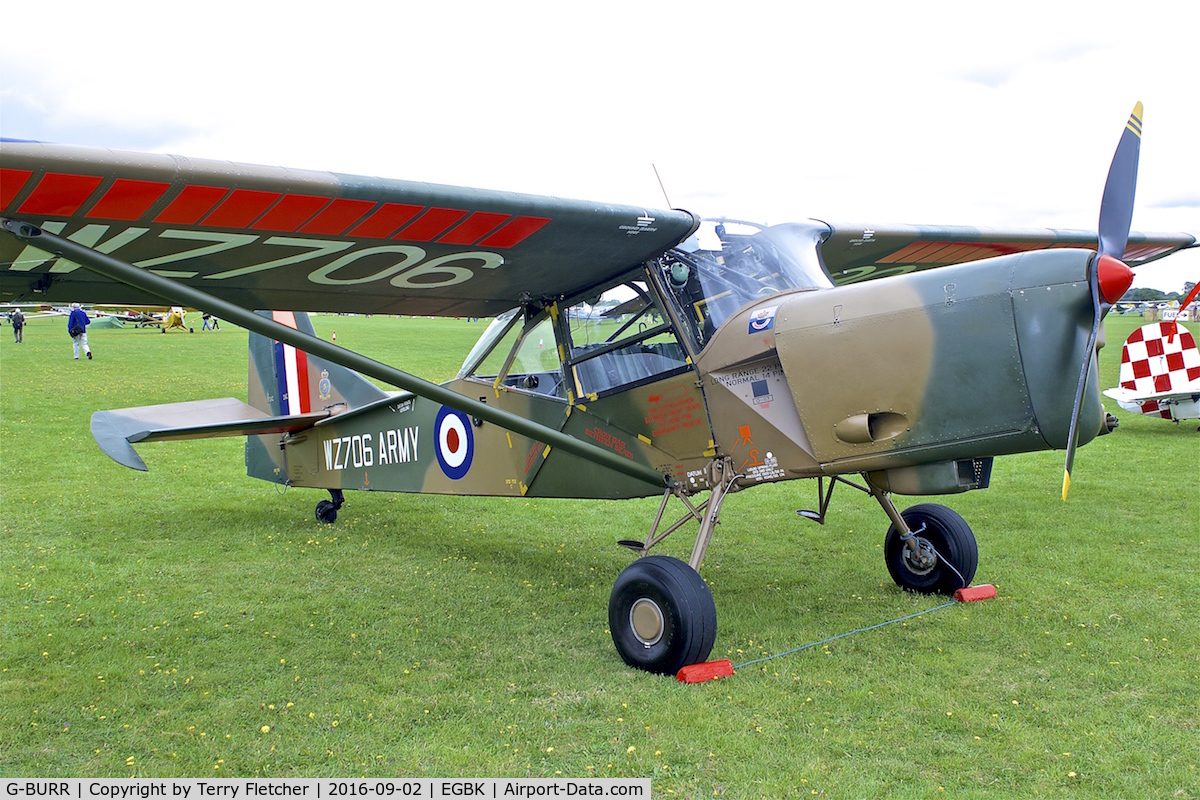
(116, 431)
(1129, 398)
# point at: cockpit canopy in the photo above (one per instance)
(621, 335)
(727, 265)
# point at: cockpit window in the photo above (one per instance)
(618, 338)
(522, 356)
(621, 338)
(727, 265)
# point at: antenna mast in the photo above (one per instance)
(660, 185)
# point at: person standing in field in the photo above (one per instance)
(18, 322)
(77, 324)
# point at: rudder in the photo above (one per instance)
(1158, 357)
(284, 380)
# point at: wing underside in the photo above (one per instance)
(856, 252)
(267, 237)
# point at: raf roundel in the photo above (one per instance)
(455, 443)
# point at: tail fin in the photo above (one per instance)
(289, 392)
(286, 381)
(1158, 358)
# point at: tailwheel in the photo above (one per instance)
(327, 509)
(326, 512)
(944, 557)
(662, 616)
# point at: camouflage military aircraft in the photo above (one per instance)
(636, 352)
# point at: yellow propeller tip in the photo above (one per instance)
(1134, 125)
(1066, 485)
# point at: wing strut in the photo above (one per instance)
(177, 294)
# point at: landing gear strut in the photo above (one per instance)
(327, 509)
(661, 612)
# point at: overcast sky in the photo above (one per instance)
(999, 115)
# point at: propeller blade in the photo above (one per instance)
(1116, 207)
(1072, 433)
(1108, 277)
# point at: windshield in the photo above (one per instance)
(727, 265)
(498, 327)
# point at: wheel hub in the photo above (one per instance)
(922, 558)
(646, 621)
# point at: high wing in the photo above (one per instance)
(269, 237)
(856, 252)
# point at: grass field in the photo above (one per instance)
(191, 621)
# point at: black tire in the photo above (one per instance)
(662, 616)
(327, 512)
(949, 535)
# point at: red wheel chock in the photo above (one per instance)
(970, 594)
(708, 671)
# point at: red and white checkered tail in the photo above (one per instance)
(285, 381)
(1159, 357)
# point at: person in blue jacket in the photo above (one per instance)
(77, 326)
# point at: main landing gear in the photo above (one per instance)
(661, 612)
(662, 615)
(936, 555)
(929, 548)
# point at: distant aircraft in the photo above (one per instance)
(146, 316)
(30, 310)
(176, 319)
(1160, 369)
(135, 315)
(734, 361)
